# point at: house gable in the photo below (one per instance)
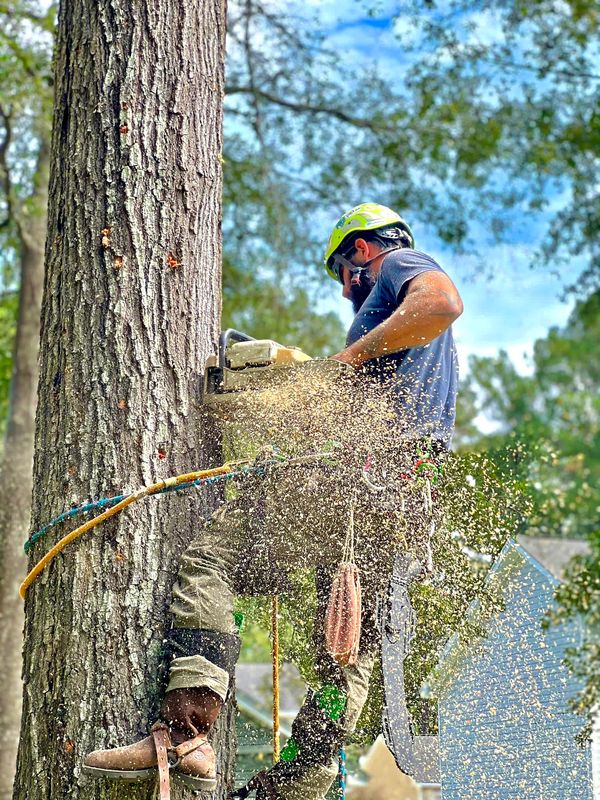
(504, 721)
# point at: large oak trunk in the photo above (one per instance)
(130, 313)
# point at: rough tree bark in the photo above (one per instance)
(16, 466)
(130, 313)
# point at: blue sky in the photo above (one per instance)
(517, 305)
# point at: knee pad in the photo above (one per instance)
(221, 649)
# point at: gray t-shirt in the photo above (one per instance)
(424, 379)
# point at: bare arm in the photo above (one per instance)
(431, 305)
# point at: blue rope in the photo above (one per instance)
(108, 502)
(342, 774)
(72, 512)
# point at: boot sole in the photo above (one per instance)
(129, 775)
(199, 784)
(138, 775)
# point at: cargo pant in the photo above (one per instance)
(296, 518)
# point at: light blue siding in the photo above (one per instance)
(505, 730)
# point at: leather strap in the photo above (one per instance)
(190, 745)
(263, 782)
(162, 743)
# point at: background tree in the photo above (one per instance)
(488, 132)
(24, 125)
(130, 313)
(579, 597)
(462, 141)
(549, 434)
(504, 109)
(551, 420)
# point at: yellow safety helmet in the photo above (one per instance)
(365, 217)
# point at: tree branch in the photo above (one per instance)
(250, 68)
(540, 70)
(288, 32)
(5, 178)
(21, 54)
(306, 108)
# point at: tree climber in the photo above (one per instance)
(404, 305)
(400, 336)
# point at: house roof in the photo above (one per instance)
(553, 553)
(549, 555)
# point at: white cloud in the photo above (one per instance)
(404, 31)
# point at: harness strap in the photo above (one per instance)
(162, 743)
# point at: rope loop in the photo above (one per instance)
(227, 471)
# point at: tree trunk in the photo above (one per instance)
(16, 470)
(129, 315)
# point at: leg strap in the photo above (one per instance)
(162, 743)
(164, 749)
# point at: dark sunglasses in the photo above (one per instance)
(340, 260)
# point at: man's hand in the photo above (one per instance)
(347, 357)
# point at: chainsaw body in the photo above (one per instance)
(245, 363)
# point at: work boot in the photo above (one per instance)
(176, 743)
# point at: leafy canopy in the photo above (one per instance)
(549, 426)
(505, 108)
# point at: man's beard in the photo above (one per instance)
(360, 291)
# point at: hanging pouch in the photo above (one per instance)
(342, 620)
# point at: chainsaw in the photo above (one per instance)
(243, 363)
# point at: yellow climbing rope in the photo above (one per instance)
(275, 655)
(145, 491)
